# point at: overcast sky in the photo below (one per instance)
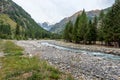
(53, 11)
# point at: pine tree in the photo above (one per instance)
(100, 34)
(89, 33)
(94, 30)
(111, 26)
(82, 27)
(68, 31)
(75, 30)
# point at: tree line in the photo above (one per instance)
(19, 32)
(104, 29)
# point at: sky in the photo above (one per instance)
(53, 11)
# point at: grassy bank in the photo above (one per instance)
(17, 67)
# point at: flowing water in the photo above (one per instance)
(98, 54)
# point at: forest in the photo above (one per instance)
(104, 29)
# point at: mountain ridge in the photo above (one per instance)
(59, 27)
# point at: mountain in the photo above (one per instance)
(47, 26)
(59, 27)
(16, 15)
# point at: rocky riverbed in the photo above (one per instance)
(95, 48)
(81, 66)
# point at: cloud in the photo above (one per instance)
(54, 10)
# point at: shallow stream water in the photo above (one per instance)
(98, 54)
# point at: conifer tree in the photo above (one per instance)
(82, 27)
(111, 26)
(94, 29)
(100, 34)
(75, 30)
(68, 31)
(89, 34)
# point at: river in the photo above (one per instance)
(98, 54)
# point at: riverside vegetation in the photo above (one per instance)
(15, 66)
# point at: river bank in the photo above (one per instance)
(81, 66)
(95, 48)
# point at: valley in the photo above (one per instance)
(59, 40)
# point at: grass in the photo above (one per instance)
(11, 49)
(17, 67)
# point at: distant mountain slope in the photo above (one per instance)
(59, 27)
(22, 18)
